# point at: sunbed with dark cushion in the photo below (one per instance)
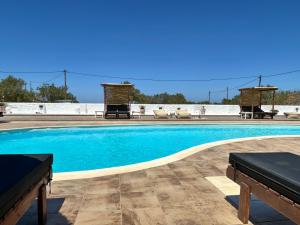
(278, 174)
(20, 174)
(279, 171)
(117, 110)
(258, 112)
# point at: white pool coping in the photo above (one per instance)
(155, 163)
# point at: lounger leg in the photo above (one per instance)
(244, 205)
(42, 205)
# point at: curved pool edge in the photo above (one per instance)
(159, 122)
(156, 162)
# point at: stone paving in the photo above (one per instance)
(174, 194)
(192, 191)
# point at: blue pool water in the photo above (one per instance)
(89, 148)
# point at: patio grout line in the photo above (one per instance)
(121, 208)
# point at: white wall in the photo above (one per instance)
(90, 108)
(192, 108)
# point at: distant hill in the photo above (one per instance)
(162, 98)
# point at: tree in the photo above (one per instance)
(206, 102)
(13, 90)
(52, 93)
(161, 98)
(282, 98)
(233, 101)
(165, 98)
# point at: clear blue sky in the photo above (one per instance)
(156, 39)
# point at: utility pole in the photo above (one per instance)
(66, 87)
(259, 80)
(208, 97)
(30, 87)
(25, 85)
(227, 93)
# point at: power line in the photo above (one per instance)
(65, 82)
(47, 81)
(235, 87)
(152, 79)
(64, 72)
(282, 74)
(130, 78)
(230, 89)
(227, 93)
(182, 80)
(255, 80)
(31, 72)
(244, 84)
(36, 72)
(259, 80)
(160, 80)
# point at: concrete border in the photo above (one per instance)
(154, 163)
(156, 122)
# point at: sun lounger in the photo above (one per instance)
(160, 114)
(182, 113)
(22, 179)
(271, 177)
(117, 110)
(292, 115)
(257, 112)
(262, 115)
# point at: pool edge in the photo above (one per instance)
(154, 163)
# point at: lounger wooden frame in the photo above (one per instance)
(37, 191)
(249, 185)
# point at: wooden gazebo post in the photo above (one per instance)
(252, 102)
(241, 97)
(273, 100)
(260, 99)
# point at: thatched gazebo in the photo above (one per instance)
(251, 101)
(117, 98)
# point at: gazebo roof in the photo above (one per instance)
(265, 88)
(116, 85)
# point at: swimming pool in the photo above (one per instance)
(88, 148)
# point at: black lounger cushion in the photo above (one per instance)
(279, 171)
(120, 108)
(18, 173)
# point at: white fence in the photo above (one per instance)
(90, 108)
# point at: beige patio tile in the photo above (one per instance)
(225, 185)
(181, 214)
(108, 184)
(135, 182)
(99, 218)
(101, 202)
(68, 187)
(144, 216)
(139, 200)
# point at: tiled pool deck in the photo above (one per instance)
(192, 191)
